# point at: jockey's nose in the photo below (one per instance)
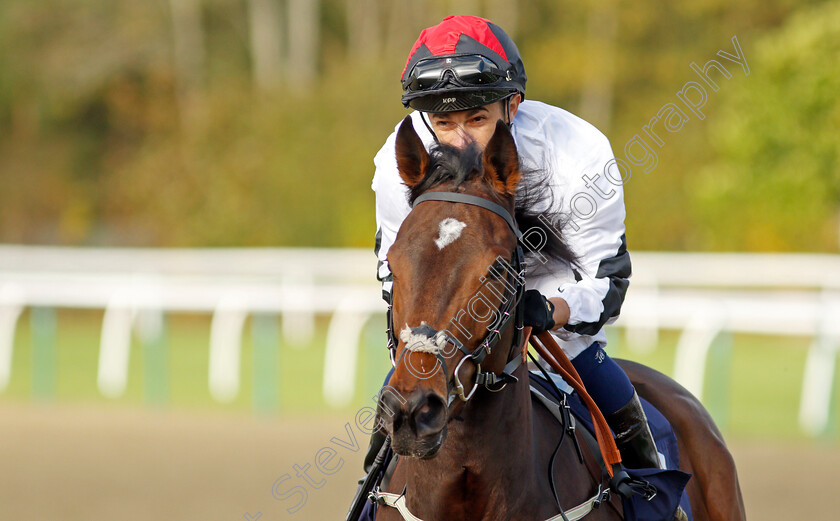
(460, 138)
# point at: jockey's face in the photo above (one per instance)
(474, 125)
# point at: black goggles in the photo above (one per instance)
(468, 70)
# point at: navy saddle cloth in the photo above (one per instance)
(670, 484)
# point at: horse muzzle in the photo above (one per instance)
(416, 422)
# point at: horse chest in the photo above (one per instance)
(468, 494)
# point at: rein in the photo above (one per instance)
(548, 349)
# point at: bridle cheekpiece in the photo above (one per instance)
(508, 312)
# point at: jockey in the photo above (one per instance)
(461, 77)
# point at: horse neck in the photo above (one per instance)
(486, 462)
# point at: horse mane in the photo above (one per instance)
(532, 206)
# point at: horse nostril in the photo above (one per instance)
(429, 416)
(396, 422)
(391, 408)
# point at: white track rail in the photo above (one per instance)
(702, 294)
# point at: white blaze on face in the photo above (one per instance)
(421, 343)
(449, 230)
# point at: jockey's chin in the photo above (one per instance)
(406, 443)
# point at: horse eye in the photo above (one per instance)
(496, 271)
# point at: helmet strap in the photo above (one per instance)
(506, 101)
(424, 116)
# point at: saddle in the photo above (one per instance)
(669, 484)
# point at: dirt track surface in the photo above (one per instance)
(73, 463)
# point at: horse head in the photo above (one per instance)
(456, 283)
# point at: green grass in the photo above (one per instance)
(752, 384)
(75, 343)
(752, 387)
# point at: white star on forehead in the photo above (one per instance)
(449, 230)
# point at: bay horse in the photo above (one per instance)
(466, 453)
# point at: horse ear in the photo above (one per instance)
(412, 157)
(501, 162)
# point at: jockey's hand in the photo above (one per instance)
(539, 312)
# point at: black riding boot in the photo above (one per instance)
(635, 441)
(633, 436)
(377, 439)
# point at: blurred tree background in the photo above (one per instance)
(254, 122)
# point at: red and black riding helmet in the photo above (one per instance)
(462, 63)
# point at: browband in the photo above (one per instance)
(451, 197)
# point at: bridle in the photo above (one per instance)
(509, 311)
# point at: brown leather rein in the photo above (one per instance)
(548, 349)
